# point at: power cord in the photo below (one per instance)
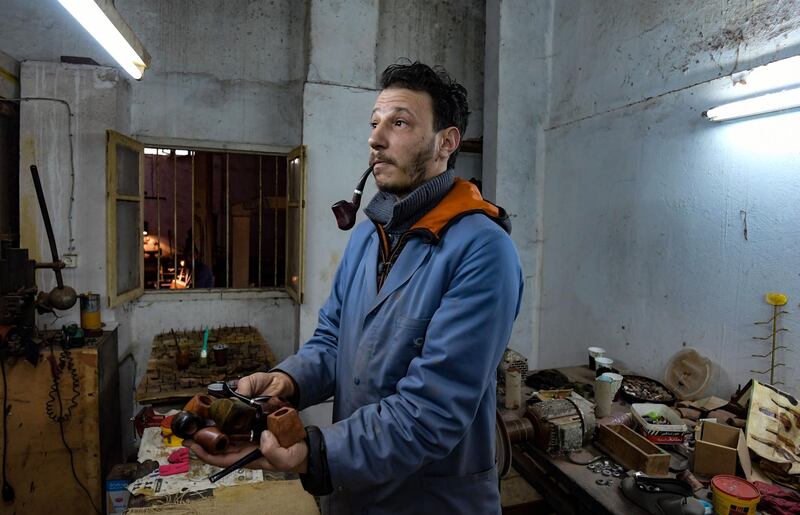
(55, 393)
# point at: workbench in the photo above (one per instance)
(570, 488)
(254, 491)
(275, 497)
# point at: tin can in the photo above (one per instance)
(90, 311)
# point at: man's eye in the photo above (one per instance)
(400, 123)
(373, 124)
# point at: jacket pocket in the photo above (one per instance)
(394, 355)
(411, 331)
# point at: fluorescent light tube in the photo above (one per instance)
(770, 103)
(101, 19)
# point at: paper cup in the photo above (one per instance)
(603, 393)
(595, 352)
(616, 380)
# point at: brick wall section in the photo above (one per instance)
(247, 353)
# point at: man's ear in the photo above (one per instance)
(451, 139)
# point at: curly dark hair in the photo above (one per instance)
(450, 107)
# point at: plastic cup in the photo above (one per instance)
(594, 353)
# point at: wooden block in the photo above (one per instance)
(287, 427)
(633, 451)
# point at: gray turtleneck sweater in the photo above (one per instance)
(397, 216)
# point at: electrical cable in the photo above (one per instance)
(61, 418)
(8, 490)
(54, 393)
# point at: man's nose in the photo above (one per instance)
(377, 139)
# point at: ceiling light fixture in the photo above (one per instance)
(101, 19)
(773, 102)
(780, 74)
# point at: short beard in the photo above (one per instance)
(416, 173)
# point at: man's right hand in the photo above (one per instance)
(274, 384)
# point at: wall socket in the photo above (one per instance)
(70, 260)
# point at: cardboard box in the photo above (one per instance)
(117, 481)
(671, 433)
(718, 449)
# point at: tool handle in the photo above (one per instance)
(48, 227)
(248, 458)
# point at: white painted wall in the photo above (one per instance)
(644, 248)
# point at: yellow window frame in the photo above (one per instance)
(113, 139)
(295, 233)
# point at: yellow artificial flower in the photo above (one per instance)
(776, 299)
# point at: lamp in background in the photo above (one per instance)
(784, 73)
(101, 19)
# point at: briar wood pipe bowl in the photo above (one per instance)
(285, 424)
(214, 422)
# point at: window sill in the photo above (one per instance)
(212, 294)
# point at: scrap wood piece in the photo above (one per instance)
(766, 433)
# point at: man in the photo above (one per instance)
(408, 342)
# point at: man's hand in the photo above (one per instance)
(276, 458)
(274, 384)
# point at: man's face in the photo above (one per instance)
(404, 144)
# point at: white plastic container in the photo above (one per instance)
(671, 433)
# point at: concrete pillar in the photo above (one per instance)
(338, 97)
(517, 74)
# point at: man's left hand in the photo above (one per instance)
(276, 458)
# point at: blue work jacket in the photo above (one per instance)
(412, 366)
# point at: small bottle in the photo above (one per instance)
(513, 398)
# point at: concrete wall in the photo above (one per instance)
(645, 202)
(9, 76)
(98, 98)
(221, 71)
(518, 37)
(449, 33)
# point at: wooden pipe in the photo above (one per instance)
(211, 439)
(287, 427)
(200, 404)
(232, 415)
(186, 423)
